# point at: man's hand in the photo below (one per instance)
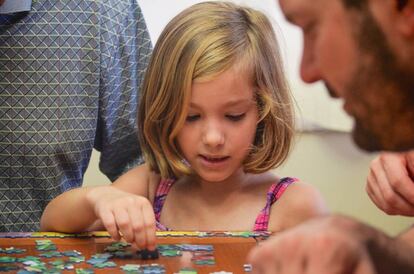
(330, 245)
(390, 183)
(333, 245)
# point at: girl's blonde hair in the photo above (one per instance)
(201, 42)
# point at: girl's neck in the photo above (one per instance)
(212, 195)
(234, 183)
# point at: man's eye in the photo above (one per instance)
(192, 118)
(236, 117)
(309, 29)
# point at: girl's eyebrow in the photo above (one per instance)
(239, 102)
(231, 103)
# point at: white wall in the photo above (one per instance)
(331, 162)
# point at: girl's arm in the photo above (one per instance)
(59, 214)
(299, 202)
(122, 208)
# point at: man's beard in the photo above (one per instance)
(379, 78)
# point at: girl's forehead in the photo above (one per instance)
(235, 72)
(244, 67)
(226, 89)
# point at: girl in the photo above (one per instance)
(215, 117)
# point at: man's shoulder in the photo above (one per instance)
(125, 13)
(118, 5)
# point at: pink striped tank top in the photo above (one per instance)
(262, 220)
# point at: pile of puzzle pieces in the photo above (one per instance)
(67, 260)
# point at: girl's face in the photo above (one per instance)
(220, 126)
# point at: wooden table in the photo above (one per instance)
(229, 252)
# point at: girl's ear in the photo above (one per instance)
(405, 17)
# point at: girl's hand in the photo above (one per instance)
(125, 214)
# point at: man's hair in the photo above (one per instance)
(354, 3)
(359, 4)
(198, 44)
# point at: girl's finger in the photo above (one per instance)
(135, 214)
(108, 220)
(149, 225)
(124, 224)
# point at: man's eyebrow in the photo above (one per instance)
(296, 15)
(289, 18)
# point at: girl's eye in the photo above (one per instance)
(236, 118)
(192, 118)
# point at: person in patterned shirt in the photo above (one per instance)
(70, 73)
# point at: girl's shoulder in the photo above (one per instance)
(140, 180)
(265, 182)
(299, 201)
(271, 184)
(154, 180)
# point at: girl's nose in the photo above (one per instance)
(213, 136)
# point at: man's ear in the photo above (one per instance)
(405, 17)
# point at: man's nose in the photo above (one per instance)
(309, 67)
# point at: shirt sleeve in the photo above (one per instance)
(125, 51)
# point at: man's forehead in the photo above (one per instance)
(296, 10)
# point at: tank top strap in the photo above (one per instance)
(274, 193)
(163, 188)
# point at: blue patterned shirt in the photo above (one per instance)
(13, 6)
(70, 72)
